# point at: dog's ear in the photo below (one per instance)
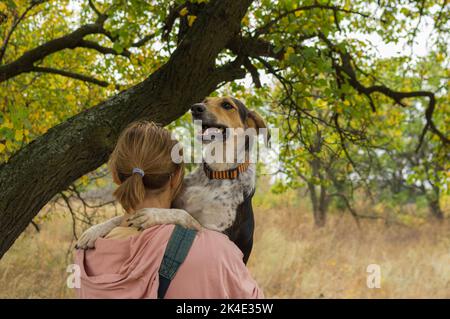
(256, 121)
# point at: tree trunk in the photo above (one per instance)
(79, 145)
(319, 201)
(319, 205)
(435, 209)
(323, 207)
(320, 217)
(433, 201)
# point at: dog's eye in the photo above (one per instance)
(227, 106)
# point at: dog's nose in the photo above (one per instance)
(198, 108)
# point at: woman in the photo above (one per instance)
(126, 262)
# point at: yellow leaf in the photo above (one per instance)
(184, 11)
(298, 13)
(100, 182)
(191, 20)
(9, 145)
(8, 125)
(2, 147)
(84, 180)
(288, 52)
(18, 135)
(245, 20)
(347, 5)
(321, 104)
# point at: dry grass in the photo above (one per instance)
(291, 259)
(294, 260)
(35, 267)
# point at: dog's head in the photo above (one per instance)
(221, 113)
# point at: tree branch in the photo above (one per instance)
(265, 28)
(101, 49)
(228, 72)
(72, 214)
(69, 74)
(254, 48)
(349, 207)
(143, 41)
(26, 61)
(173, 14)
(253, 72)
(36, 226)
(346, 73)
(14, 26)
(94, 8)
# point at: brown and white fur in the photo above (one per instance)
(217, 204)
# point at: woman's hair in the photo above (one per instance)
(146, 146)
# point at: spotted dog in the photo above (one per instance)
(218, 193)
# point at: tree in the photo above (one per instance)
(167, 55)
(82, 143)
(315, 155)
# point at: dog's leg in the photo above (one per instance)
(88, 238)
(148, 217)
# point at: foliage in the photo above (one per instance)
(350, 118)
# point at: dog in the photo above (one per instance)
(218, 194)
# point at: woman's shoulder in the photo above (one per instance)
(212, 234)
(215, 245)
(213, 269)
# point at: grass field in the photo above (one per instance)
(291, 259)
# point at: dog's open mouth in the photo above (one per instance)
(213, 132)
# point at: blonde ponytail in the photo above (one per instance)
(141, 162)
(130, 192)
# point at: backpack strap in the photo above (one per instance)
(179, 244)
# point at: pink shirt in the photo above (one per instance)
(128, 268)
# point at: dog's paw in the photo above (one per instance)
(88, 238)
(148, 217)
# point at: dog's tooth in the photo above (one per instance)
(212, 130)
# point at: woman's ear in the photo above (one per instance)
(115, 178)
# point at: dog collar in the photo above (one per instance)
(228, 174)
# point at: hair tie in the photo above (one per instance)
(139, 171)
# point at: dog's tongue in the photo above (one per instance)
(211, 131)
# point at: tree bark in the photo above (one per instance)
(319, 201)
(435, 209)
(79, 145)
(323, 206)
(319, 204)
(433, 203)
